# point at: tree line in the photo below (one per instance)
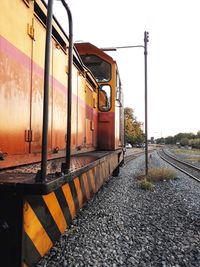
(183, 139)
(135, 135)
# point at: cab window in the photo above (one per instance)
(99, 68)
(105, 97)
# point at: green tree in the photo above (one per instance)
(195, 143)
(169, 140)
(184, 141)
(160, 140)
(133, 128)
(198, 134)
(180, 136)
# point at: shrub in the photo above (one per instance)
(184, 142)
(155, 175)
(145, 184)
(195, 143)
(161, 174)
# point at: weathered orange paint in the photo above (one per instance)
(106, 134)
(108, 122)
(15, 80)
(22, 99)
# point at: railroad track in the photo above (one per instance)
(132, 156)
(189, 169)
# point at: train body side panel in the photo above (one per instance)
(14, 27)
(81, 113)
(87, 117)
(37, 87)
(59, 98)
(22, 49)
(15, 76)
(106, 120)
(118, 125)
(106, 134)
(91, 118)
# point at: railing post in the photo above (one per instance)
(42, 174)
(65, 167)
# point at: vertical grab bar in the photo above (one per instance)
(65, 166)
(42, 174)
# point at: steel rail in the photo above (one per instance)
(135, 155)
(132, 156)
(182, 162)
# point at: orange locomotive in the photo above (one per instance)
(61, 128)
(110, 115)
(22, 77)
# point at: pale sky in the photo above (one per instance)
(173, 55)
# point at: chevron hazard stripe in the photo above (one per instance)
(47, 216)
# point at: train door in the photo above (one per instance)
(89, 117)
(81, 112)
(15, 76)
(74, 113)
(118, 112)
(59, 97)
(38, 88)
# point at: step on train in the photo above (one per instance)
(61, 127)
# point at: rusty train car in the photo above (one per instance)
(61, 127)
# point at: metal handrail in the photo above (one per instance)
(65, 167)
(42, 174)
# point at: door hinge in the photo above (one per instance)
(92, 125)
(94, 103)
(28, 135)
(31, 29)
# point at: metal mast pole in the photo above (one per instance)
(146, 40)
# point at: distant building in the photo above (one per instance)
(152, 140)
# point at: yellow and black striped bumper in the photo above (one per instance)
(47, 216)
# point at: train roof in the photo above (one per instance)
(85, 48)
(88, 48)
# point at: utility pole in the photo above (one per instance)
(146, 40)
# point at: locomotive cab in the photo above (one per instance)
(110, 102)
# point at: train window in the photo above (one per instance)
(100, 68)
(42, 17)
(117, 90)
(104, 97)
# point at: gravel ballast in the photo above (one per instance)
(124, 225)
